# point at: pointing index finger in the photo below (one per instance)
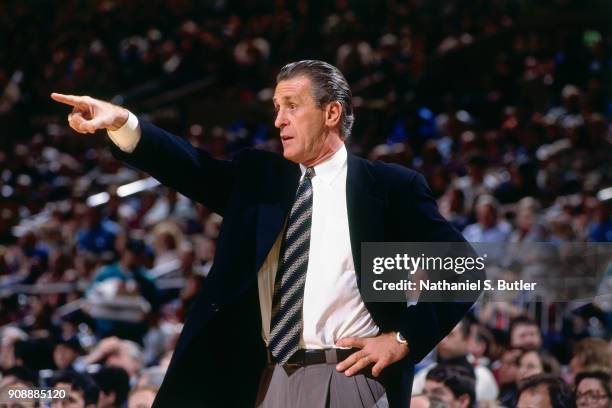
(71, 100)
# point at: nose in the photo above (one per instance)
(281, 120)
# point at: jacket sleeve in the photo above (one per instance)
(177, 164)
(436, 319)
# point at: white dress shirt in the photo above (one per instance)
(332, 308)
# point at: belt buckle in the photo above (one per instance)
(331, 356)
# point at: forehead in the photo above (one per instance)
(431, 385)
(525, 328)
(590, 384)
(530, 356)
(535, 397)
(298, 87)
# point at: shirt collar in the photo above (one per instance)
(330, 168)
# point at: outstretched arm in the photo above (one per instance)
(169, 158)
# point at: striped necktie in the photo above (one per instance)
(286, 320)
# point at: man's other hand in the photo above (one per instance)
(89, 114)
(381, 351)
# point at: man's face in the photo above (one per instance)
(122, 358)
(508, 366)
(526, 336)
(529, 364)
(64, 356)
(301, 122)
(74, 398)
(441, 392)
(591, 394)
(454, 344)
(486, 215)
(536, 397)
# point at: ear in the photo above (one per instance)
(333, 112)
(464, 401)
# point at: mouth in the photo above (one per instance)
(285, 138)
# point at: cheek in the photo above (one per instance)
(312, 129)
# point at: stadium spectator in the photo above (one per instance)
(127, 278)
(17, 386)
(453, 385)
(81, 390)
(534, 362)
(528, 227)
(115, 352)
(545, 391)
(452, 351)
(114, 384)
(488, 228)
(475, 183)
(66, 352)
(9, 335)
(593, 389)
(525, 334)
(506, 377)
(590, 353)
(97, 234)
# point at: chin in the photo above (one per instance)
(289, 155)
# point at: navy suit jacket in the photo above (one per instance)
(220, 354)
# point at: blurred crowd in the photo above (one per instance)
(96, 277)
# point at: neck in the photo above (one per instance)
(332, 144)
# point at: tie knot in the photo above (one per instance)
(310, 172)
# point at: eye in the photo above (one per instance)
(292, 106)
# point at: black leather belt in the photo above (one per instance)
(304, 357)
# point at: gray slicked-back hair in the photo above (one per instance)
(328, 85)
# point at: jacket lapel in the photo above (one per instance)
(271, 214)
(365, 207)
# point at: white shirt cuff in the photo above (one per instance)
(127, 136)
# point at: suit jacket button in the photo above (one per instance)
(214, 307)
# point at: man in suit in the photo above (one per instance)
(281, 321)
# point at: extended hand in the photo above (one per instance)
(381, 350)
(89, 114)
(105, 347)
